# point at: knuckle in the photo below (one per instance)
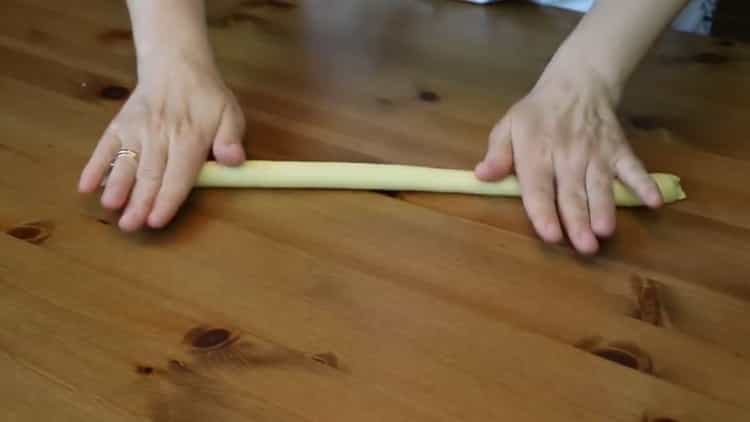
(534, 155)
(598, 175)
(158, 118)
(606, 150)
(547, 133)
(600, 184)
(587, 130)
(571, 166)
(573, 195)
(116, 133)
(158, 127)
(614, 133)
(576, 163)
(539, 202)
(630, 165)
(149, 174)
(171, 197)
(496, 136)
(237, 117)
(189, 144)
(539, 214)
(622, 152)
(543, 221)
(499, 129)
(534, 187)
(184, 131)
(113, 129)
(575, 217)
(160, 112)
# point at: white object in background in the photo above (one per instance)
(695, 17)
(577, 5)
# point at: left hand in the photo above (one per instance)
(566, 145)
(179, 111)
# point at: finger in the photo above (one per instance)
(120, 181)
(632, 173)
(184, 161)
(227, 146)
(148, 181)
(574, 210)
(498, 162)
(600, 199)
(536, 178)
(98, 165)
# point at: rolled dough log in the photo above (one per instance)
(390, 177)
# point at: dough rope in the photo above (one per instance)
(390, 177)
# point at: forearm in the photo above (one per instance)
(169, 29)
(613, 38)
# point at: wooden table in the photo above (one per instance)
(364, 306)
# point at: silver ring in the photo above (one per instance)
(125, 153)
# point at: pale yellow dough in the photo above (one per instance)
(390, 177)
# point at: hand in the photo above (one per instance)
(566, 145)
(177, 112)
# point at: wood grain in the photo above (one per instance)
(307, 306)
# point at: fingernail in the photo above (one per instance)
(487, 169)
(586, 242)
(602, 227)
(83, 185)
(156, 220)
(126, 221)
(552, 232)
(124, 226)
(108, 201)
(231, 148)
(654, 198)
(231, 154)
(481, 168)
(152, 221)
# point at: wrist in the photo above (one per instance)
(170, 32)
(570, 71)
(168, 58)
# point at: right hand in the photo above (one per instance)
(566, 145)
(177, 112)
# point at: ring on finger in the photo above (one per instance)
(125, 153)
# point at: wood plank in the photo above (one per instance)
(619, 286)
(689, 247)
(104, 360)
(432, 42)
(393, 140)
(28, 394)
(231, 264)
(297, 306)
(515, 214)
(451, 334)
(668, 252)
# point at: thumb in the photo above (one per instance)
(227, 147)
(498, 162)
